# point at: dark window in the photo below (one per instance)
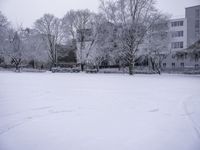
(182, 65)
(173, 24)
(197, 24)
(196, 66)
(177, 34)
(197, 29)
(177, 23)
(181, 44)
(164, 65)
(186, 56)
(197, 13)
(196, 58)
(180, 56)
(176, 45)
(173, 65)
(180, 33)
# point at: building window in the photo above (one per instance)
(173, 65)
(180, 23)
(182, 65)
(196, 58)
(176, 45)
(186, 55)
(173, 24)
(180, 56)
(177, 34)
(197, 12)
(164, 65)
(181, 44)
(196, 66)
(177, 23)
(197, 29)
(197, 32)
(173, 56)
(180, 33)
(197, 24)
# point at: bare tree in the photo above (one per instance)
(12, 47)
(98, 42)
(15, 50)
(77, 25)
(105, 47)
(35, 46)
(84, 33)
(50, 27)
(134, 18)
(4, 28)
(158, 43)
(69, 22)
(83, 25)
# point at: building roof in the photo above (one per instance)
(192, 6)
(195, 46)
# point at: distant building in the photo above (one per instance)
(193, 24)
(178, 34)
(183, 33)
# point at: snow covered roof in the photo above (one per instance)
(195, 46)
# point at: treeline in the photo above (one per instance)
(121, 33)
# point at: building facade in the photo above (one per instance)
(193, 24)
(178, 34)
(183, 32)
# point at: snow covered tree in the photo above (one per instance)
(158, 43)
(36, 48)
(87, 28)
(4, 28)
(105, 47)
(134, 18)
(69, 22)
(77, 25)
(15, 50)
(50, 27)
(84, 33)
(4, 25)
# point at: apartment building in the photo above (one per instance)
(193, 24)
(178, 34)
(183, 33)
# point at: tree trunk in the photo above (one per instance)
(82, 67)
(158, 69)
(17, 68)
(33, 65)
(131, 66)
(152, 64)
(97, 67)
(51, 66)
(17, 63)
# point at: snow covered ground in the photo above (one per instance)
(44, 111)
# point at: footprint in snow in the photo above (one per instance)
(154, 110)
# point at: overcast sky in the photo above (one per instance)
(25, 12)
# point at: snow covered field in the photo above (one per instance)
(44, 111)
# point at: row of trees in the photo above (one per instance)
(122, 32)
